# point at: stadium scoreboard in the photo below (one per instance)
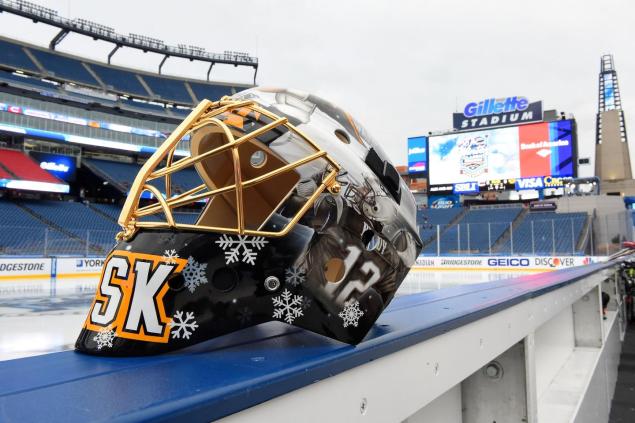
(531, 156)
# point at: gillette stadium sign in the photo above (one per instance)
(497, 112)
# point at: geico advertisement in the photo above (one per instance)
(15, 267)
(542, 262)
(69, 266)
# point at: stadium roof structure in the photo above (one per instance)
(37, 13)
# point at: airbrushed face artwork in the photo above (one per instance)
(332, 273)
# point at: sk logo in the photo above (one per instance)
(129, 298)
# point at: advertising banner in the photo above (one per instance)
(17, 268)
(497, 112)
(64, 167)
(444, 201)
(79, 267)
(417, 157)
(504, 263)
(527, 151)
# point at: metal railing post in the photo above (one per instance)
(468, 239)
(553, 237)
(511, 237)
(458, 238)
(438, 240)
(46, 240)
(489, 236)
(572, 239)
(87, 241)
(533, 243)
(592, 243)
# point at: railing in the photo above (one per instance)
(571, 236)
(25, 241)
(530, 349)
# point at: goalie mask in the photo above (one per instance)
(268, 205)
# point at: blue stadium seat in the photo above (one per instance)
(168, 89)
(123, 174)
(12, 55)
(64, 67)
(477, 230)
(211, 92)
(23, 234)
(23, 81)
(120, 80)
(546, 233)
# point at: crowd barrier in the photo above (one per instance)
(532, 349)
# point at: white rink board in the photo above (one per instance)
(78, 267)
(503, 263)
(16, 268)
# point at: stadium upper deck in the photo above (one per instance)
(107, 84)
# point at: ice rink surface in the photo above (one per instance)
(40, 316)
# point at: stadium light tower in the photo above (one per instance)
(612, 160)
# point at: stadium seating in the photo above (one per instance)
(553, 233)
(122, 175)
(210, 92)
(23, 234)
(25, 81)
(168, 89)
(119, 80)
(429, 219)
(64, 67)
(20, 166)
(13, 55)
(112, 211)
(475, 231)
(78, 220)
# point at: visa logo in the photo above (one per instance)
(529, 183)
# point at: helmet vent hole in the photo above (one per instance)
(176, 282)
(258, 159)
(334, 269)
(225, 279)
(342, 136)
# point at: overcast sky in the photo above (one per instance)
(400, 67)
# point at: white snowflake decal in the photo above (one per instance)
(181, 326)
(233, 247)
(287, 306)
(194, 274)
(294, 276)
(104, 337)
(170, 256)
(351, 313)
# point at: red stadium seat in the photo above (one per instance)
(23, 167)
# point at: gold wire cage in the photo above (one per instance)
(209, 113)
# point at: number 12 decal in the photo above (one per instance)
(369, 268)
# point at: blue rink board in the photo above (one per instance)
(241, 370)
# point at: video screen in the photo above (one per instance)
(63, 167)
(540, 149)
(417, 157)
